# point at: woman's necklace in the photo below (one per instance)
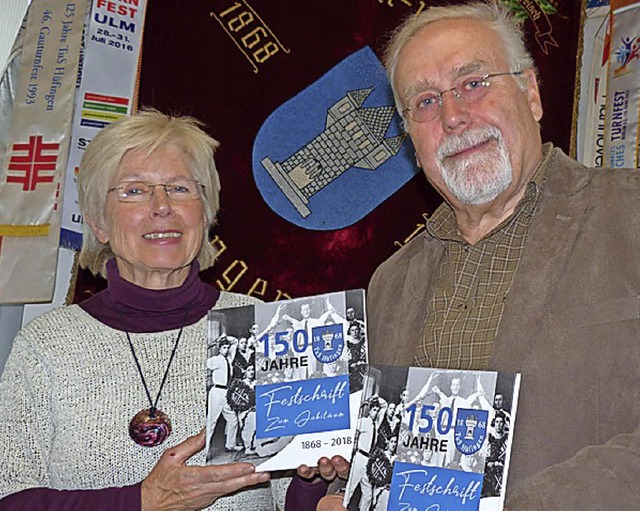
(151, 427)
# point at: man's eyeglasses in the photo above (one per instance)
(139, 191)
(425, 106)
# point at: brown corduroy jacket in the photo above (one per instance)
(571, 326)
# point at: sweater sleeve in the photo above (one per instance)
(303, 495)
(45, 499)
(26, 427)
(26, 439)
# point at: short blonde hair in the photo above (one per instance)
(147, 131)
(505, 25)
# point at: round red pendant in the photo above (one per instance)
(148, 430)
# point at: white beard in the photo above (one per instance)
(480, 177)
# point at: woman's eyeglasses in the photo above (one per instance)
(139, 191)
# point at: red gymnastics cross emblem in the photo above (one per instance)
(36, 164)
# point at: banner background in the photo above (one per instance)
(194, 63)
(38, 140)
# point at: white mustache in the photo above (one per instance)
(454, 144)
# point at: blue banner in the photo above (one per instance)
(307, 406)
(334, 152)
(431, 488)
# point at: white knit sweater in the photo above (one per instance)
(70, 388)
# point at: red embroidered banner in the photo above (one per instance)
(280, 84)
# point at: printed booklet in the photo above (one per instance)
(284, 380)
(432, 439)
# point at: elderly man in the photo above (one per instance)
(531, 263)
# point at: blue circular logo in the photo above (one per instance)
(327, 342)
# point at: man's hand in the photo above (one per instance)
(328, 469)
(172, 485)
(331, 503)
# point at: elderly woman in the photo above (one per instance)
(103, 403)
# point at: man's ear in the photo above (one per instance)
(533, 94)
(98, 229)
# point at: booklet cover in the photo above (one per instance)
(284, 380)
(432, 439)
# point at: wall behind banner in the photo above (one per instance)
(250, 70)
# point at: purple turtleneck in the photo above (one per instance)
(124, 306)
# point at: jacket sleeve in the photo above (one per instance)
(597, 477)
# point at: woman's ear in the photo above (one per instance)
(98, 229)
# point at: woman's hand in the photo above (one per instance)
(173, 485)
(328, 469)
